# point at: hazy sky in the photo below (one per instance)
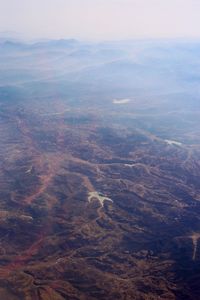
(101, 19)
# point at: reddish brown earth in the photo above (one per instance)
(56, 245)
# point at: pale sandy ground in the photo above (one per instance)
(100, 198)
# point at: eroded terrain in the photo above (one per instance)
(100, 172)
(92, 211)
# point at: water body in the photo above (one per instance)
(121, 101)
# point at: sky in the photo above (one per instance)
(101, 19)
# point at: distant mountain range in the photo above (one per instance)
(158, 66)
